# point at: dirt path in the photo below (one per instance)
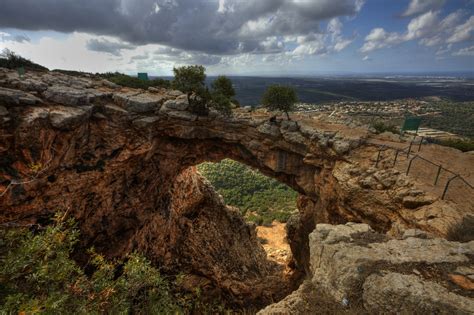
(275, 243)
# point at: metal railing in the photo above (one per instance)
(439, 168)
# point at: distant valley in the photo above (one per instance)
(326, 89)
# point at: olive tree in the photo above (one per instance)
(223, 85)
(279, 97)
(191, 80)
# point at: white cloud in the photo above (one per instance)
(443, 50)
(421, 6)
(467, 51)
(421, 25)
(322, 43)
(378, 38)
(366, 58)
(463, 31)
(427, 28)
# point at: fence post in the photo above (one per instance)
(421, 142)
(396, 157)
(409, 164)
(437, 175)
(409, 149)
(378, 158)
(447, 186)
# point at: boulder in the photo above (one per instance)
(11, 97)
(67, 96)
(180, 103)
(395, 293)
(343, 257)
(69, 118)
(139, 103)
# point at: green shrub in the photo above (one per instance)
(191, 79)
(10, 60)
(279, 97)
(464, 145)
(223, 85)
(381, 127)
(37, 275)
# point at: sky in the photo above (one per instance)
(242, 37)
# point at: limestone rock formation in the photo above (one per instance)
(362, 271)
(120, 160)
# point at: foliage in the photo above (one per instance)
(259, 198)
(464, 145)
(134, 82)
(455, 117)
(221, 103)
(10, 60)
(223, 85)
(191, 79)
(381, 127)
(37, 275)
(280, 97)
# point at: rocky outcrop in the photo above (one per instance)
(363, 271)
(120, 160)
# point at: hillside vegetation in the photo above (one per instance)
(10, 60)
(259, 198)
(39, 276)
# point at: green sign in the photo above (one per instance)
(411, 123)
(21, 71)
(143, 76)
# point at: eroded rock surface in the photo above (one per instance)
(119, 160)
(362, 271)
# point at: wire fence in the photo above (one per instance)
(442, 180)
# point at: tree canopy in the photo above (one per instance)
(280, 97)
(223, 85)
(189, 79)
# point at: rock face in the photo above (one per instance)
(365, 272)
(120, 160)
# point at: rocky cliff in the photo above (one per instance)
(355, 270)
(121, 161)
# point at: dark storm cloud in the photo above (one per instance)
(21, 38)
(105, 45)
(210, 26)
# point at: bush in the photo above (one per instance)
(10, 60)
(223, 85)
(464, 145)
(37, 275)
(191, 80)
(279, 97)
(381, 127)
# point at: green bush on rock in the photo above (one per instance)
(37, 275)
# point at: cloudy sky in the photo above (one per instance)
(242, 37)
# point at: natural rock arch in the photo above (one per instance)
(121, 162)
